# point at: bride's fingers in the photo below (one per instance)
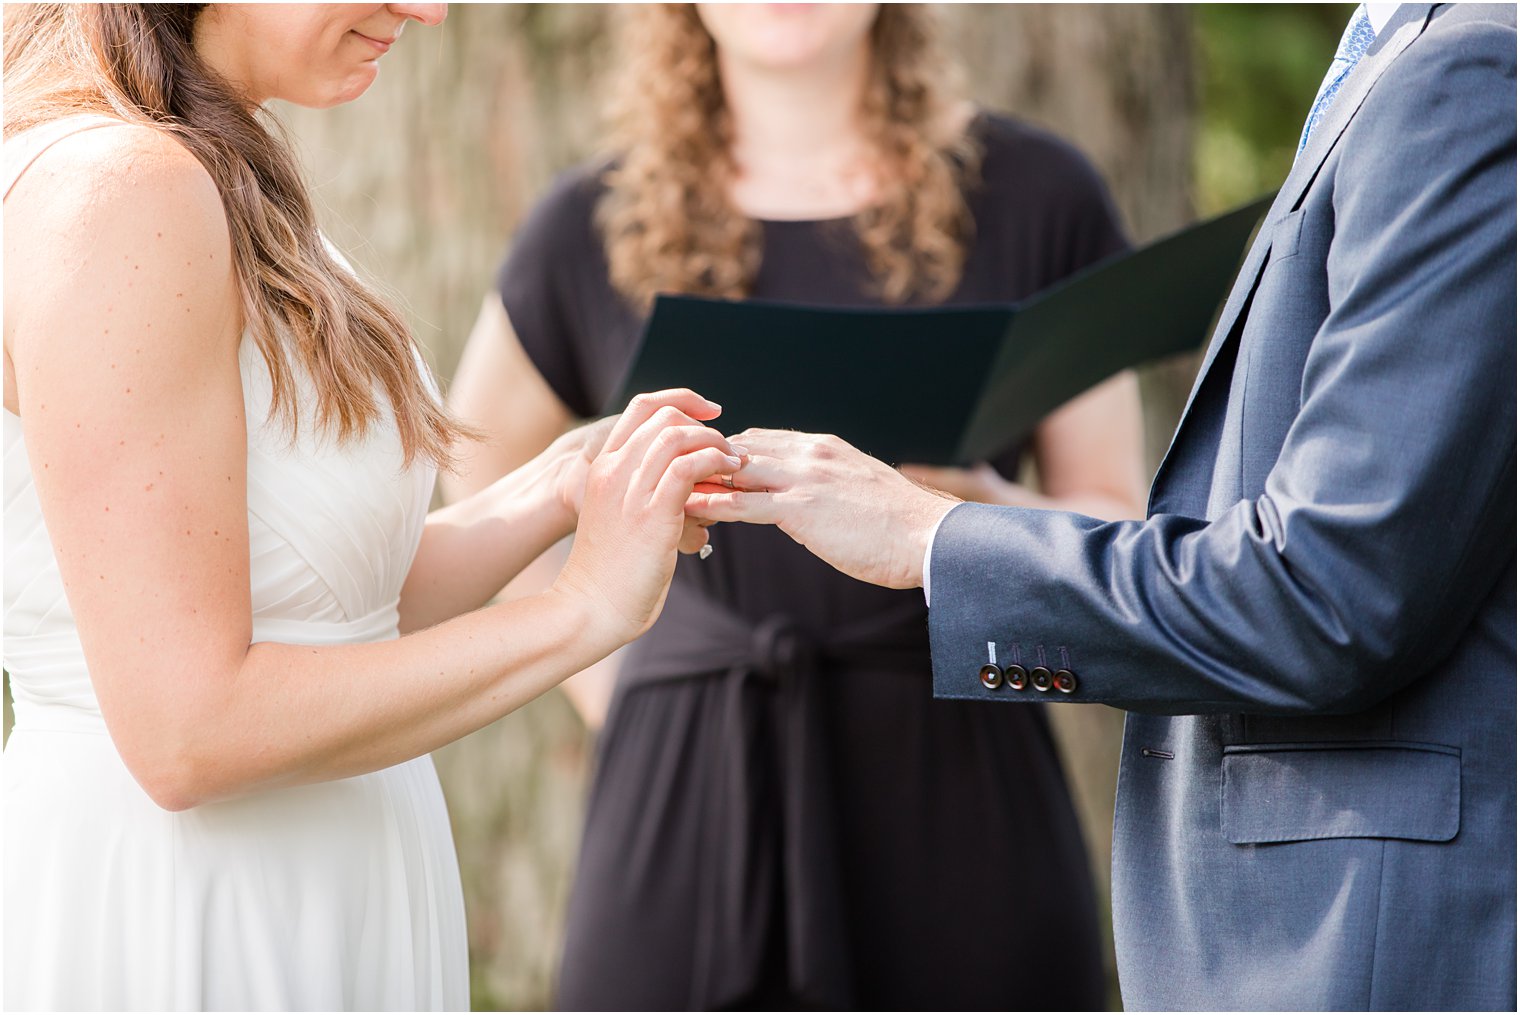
(757, 473)
(644, 407)
(684, 473)
(651, 436)
(693, 536)
(738, 506)
(635, 448)
(669, 445)
(594, 436)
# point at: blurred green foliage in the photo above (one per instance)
(1259, 67)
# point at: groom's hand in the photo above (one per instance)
(858, 514)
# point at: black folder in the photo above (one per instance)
(941, 385)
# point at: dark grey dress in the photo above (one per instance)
(782, 816)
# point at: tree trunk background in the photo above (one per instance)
(422, 182)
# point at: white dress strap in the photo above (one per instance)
(22, 149)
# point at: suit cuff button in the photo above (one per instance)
(1040, 677)
(1066, 681)
(991, 677)
(1018, 677)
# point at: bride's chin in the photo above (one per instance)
(348, 89)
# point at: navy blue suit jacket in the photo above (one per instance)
(1314, 630)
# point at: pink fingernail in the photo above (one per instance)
(736, 449)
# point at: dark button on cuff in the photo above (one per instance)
(1040, 677)
(1066, 681)
(991, 677)
(1018, 677)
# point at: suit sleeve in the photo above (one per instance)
(1390, 512)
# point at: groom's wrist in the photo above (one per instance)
(934, 509)
(929, 554)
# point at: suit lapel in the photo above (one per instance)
(1401, 30)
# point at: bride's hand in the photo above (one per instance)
(632, 517)
(570, 458)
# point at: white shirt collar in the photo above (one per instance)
(1379, 14)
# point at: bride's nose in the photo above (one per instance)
(427, 14)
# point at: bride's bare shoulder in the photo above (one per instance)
(117, 223)
(119, 182)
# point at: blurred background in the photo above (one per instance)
(1187, 110)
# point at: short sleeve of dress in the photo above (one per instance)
(1078, 224)
(1093, 230)
(1051, 210)
(540, 281)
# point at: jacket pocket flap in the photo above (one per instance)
(1380, 790)
(1285, 236)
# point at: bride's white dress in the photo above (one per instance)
(338, 895)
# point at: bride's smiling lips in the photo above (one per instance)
(381, 45)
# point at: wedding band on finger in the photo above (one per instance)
(728, 481)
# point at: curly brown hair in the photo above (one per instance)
(667, 219)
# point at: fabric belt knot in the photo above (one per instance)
(769, 867)
(780, 650)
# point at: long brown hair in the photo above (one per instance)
(666, 217)
(136, 62)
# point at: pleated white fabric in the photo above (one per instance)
(338, 895)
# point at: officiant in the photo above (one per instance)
(782, 816)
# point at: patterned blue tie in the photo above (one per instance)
(1354, 44)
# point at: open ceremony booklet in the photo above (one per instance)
(941, 385)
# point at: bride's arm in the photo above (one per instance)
(499, 390)
(122, 322)
(516, 493)
(459, 565)
(472, 548)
